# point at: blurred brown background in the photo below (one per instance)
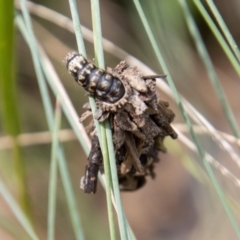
(177, 204)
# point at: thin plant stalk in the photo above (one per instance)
(99, 127)
(77, 27)
(30, 39)
(108, 182)
(8, 100)
(97, 36)
(81, 49)
(17, 211)
(63, 168)
(100, 62)
(105, 127)
(224, 28)
(53, 174)
(219, 37)
(185, 116)
(211, 72)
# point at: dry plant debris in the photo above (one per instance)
(139, 120)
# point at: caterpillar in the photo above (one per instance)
(103, 85)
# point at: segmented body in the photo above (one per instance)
(102, 85)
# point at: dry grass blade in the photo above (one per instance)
(36, 138)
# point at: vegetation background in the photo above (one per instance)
(181, 202)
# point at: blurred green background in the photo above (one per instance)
(180, 203)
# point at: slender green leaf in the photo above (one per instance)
(224, 28)
(53, 174)
(185, 116)
(97, 35)
(8, 97)
(108, 184)
(19, 214)
(30, 39)
(219, 37)
(7, 66)
(106, 133)
(77, 27)
(100, 128)
(211, 72)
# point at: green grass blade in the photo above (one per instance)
(7, 66)
(70, 113)
(72, 203)
(219, 37)
(30, 39)
(103, 139)
(185, 116)
(100, 128)
(81, 49)
(77, 26)
(211, 72)
(108, 182)
(27, 31)
(53, 174)
(59, 90)
(97, 33)
(207, 166)
(106, 133)
(8, 98)
(224, 28)
(96, 20)
(123, 224)
(19, 214)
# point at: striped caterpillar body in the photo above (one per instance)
(102, 85)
